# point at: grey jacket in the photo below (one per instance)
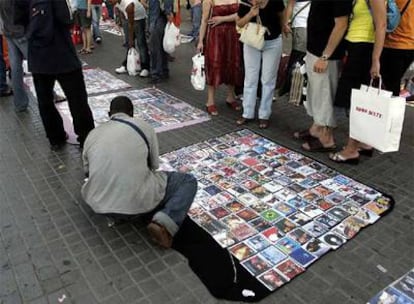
(13, 13)
(120, 181)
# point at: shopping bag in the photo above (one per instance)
(133, 62)
(297, 84)
(376, 118)
(171, 38)
(198, 77)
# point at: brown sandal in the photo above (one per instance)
(242, 121)
(263, 123)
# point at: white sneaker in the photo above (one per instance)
(144, 73)
(121, 70)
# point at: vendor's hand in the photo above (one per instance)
(200, 46)
(320, 66)
(88, 13)
(216, 20)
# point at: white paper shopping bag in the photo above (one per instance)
(376, 118)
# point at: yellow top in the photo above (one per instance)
(361, 27)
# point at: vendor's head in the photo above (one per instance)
(121, 104)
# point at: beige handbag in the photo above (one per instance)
(253, 33)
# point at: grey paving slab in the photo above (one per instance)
(52, 245)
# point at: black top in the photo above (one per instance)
(51, 50)
(268, 15)
(321, 21)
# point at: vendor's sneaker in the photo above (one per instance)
(160, 235)
(121, 70)
(144, 73)
(98, 40)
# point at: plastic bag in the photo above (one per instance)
(133, 62)
(171, 38)
(198, 77)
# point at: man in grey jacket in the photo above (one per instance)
(121, 160)
(13, 13)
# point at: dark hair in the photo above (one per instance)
(121, 104)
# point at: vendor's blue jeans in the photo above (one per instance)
(179, 195)
(17, 52)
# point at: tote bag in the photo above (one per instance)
(376, 118)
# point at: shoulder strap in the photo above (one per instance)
(301, 9)
(405, 7)
(139, 131)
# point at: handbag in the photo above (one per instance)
(253, 33)
(376, 118)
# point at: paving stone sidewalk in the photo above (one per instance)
(53, 249)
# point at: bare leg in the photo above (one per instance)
(211, 90)
(230, 94)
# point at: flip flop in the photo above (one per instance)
(338, 158)
(242, 121)
(315, 145)
(264, 123)
(304, 134)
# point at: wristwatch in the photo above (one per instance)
(324, 57)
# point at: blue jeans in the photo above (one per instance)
(3, 80)
(141, 43)
(18, 52)
(269, 59)
(195, 20)
(96, 17)
(179, 195)
(158, 57)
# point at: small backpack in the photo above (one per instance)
(393, 14)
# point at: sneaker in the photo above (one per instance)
(160, 235)
(144, 73)
(98, 40)
(186, 39)
(121, 70)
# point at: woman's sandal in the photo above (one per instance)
(85, 52)
(212, 110)
(338, 158)
(242, 121)
(365, 152)
(304, 134)
(234, 105)
(264, 123)
(315, 145)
